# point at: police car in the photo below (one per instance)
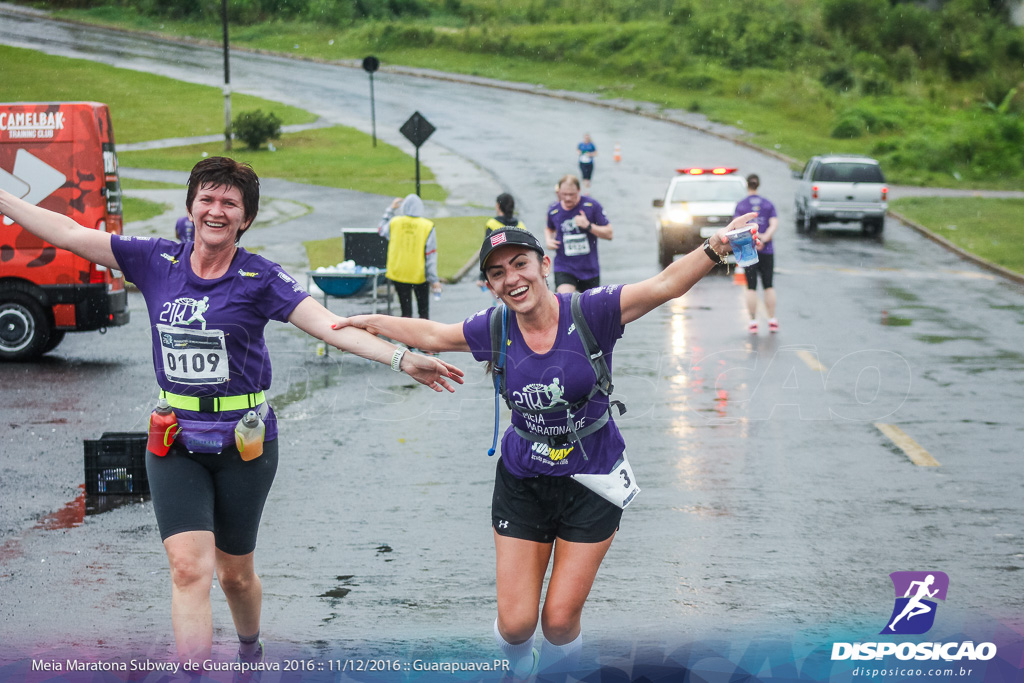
(697, 203)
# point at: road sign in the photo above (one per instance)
(416, 130)
(371, 64)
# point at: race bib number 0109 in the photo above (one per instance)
(193, 356)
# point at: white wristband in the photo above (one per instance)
(396, 359)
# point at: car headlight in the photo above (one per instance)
(677, 217)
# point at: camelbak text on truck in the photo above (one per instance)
(60, 156)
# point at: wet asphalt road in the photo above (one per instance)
(772, 502)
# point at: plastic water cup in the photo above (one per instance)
(743, 247)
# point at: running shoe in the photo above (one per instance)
(249, 675)
(752, 327)
(773, 325)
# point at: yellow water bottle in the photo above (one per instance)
(249, 433)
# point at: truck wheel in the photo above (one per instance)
(24, 326)
(812, 224)
(664, 257)
(801, 221)
(56, 337)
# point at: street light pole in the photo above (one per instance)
(227, 78)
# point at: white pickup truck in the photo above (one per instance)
(841, 189)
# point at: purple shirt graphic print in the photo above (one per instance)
(577, 253)
(208, 334)
(557, 378)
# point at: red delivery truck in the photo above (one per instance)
(60, 156)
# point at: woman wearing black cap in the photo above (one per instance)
(562, 479)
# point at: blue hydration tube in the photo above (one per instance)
(496, 376)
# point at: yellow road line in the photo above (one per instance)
(917, 454)
(811, 360)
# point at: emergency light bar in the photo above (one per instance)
(721, 170)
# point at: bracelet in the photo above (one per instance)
(712, 254)
(396, 359)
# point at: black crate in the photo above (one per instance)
(366, 248)
(116, 463)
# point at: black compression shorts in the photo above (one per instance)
(544, 508)
(764, 267)
(580, 285)
(587, 171)
(216, 492)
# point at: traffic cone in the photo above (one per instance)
(738, 277)
(617, 155)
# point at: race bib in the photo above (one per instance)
(193, 356)
(586, 159)
(618, 487)
(576, 245)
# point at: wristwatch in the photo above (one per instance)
(712, 254)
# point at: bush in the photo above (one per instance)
(255, 128)
(849, 126)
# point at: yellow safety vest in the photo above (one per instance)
(407, 245)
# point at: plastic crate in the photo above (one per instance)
(116, 463)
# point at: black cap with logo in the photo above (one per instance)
(507, 236)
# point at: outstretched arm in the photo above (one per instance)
(315, 320)
(423, 334)
(59, 230)
(643, 297)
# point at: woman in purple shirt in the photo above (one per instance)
(208, 303)
(563, 458)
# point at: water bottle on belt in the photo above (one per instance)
(249, 433)
(163, 427)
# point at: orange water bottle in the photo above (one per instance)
(249, 433)
(163, 427)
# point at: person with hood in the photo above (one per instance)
(412, 254)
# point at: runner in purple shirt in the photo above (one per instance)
(574, 223)
(563, 477)
(208, 303)
(767, 223)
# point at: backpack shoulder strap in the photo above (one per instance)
(499, 347)
(591, 347)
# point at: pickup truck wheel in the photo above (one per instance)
(812, 224)
(800, 221)
(664, 257)
(24, 326)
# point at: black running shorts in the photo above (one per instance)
(216, 492)
(580, 285)
(765, 267)
(544, 508)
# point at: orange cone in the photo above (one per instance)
(738, 277)
(617, 155)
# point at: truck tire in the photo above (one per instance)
(801, 221)
(24, 326)
(812, 224)
(664, 257)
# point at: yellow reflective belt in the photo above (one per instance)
(213, 404)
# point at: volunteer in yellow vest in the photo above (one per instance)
(412, 254)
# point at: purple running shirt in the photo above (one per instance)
(208, 334)
(561, 376)
(765, 210)
(577, 253)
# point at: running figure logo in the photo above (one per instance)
(916, 592)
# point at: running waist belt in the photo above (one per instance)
(213, 404)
